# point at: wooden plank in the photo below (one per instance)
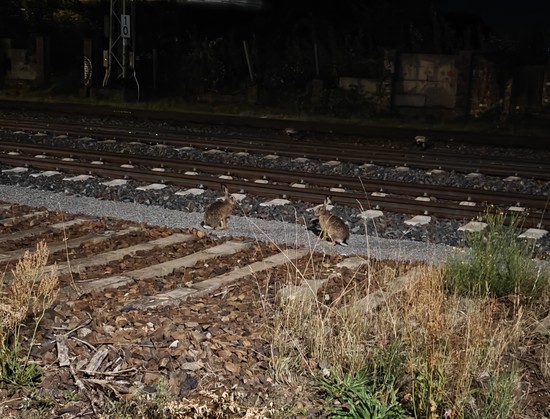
(207, 286)
(14, 220)
(161, 269)
(71, 223)
(18, 235)
(97, 360)
(94, 238)
(79, 265)
(36, 231)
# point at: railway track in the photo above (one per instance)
(355, 150)
(79, 246)
(72, 110)
(432, 200)
(439, 201)
(138, 304)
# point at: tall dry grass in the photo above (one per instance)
(23, 302)
(444, 355)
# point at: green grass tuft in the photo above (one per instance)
(358, 396)
(498, 263)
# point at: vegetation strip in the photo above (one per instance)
(446, 340)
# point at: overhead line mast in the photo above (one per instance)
(119, 59)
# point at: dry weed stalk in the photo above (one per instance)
(308, 333)
(297, 336)
(545, 360)
(453, 347)
(31, 292)
(454, 343)
(228, 404)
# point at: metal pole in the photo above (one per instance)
(251, 74)
(110, 51)
(134, 49)
(316, 53)
(124, 49)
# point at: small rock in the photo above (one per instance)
(82, 333)
(192, 366)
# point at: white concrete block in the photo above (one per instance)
(275, 202)
(473, 226)
(419, 220)
(533, 233)
(115, 182)
(152, 187)
(369, 214)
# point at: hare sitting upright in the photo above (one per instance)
(333, 229)
(217, 213)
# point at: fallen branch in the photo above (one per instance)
(62, 351)
(78, 382)
(96, 360)
(110, 373)
(89, 345)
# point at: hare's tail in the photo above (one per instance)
(206, 226)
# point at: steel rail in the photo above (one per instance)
(436, 192)
(353, 152)
(342, 127)
(312, 195)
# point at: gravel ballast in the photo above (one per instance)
(264, 230)
(386, 237)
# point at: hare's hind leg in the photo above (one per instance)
(326, 237)
(223, 223)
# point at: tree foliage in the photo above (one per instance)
(18, 16)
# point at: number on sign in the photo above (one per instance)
(125, 26)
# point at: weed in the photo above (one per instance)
(413, 350)
(356, 396)
(498, 397)
(370, 393)
(30, 294)
(71, 396)
(497, 264)
(36, 405)
(143, 405)
(16, 372)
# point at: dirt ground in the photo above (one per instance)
(212, 354)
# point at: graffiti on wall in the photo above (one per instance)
(426, 80)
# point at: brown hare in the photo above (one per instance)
(333, 229)
(217, 213)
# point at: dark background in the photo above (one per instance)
(189, 50)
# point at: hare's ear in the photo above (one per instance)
(224, 189)
(328, 200)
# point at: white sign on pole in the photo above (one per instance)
(125, 26)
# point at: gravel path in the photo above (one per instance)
(276, 231)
